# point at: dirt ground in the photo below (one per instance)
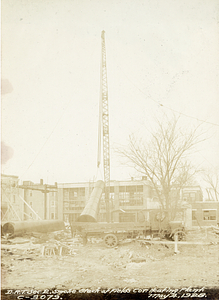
(131, 264)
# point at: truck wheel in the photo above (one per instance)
(181, 235)
(162, 234)
(110, 240)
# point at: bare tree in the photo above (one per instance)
(212, 179)
(165, 159)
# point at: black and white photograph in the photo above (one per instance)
(109, 149)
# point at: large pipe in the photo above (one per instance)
(90, 212)
(43, 226)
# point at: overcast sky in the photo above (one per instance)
(158, 52)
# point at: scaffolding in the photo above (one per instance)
(12, 203)
(10, 207)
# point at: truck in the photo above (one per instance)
(156, 225)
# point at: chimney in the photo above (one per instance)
(41, 181)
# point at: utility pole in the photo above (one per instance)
(104, 118)
(44, 188)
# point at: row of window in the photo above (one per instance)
(52, 216)
(111, 196)
(206, 214)
(127, 195)
(191, 197)
(74, 193)
(74, 204)
(51, 194)
(53, 203)
(79, 208)
(74, 201)
(125, 192)
(131, 189)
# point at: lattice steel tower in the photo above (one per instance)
(104, 120)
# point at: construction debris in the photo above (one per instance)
(66, 262)
(215, 229)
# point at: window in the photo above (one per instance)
(192, 197)
(52, 216)
(31, 203)
(185, 196)
(111, 195)
(194, 214)
(209, 214)
(102, 205)
(65, 194)
(123, 202)
(73, 217)
(131, 189)
(123, 195)
(31, 194)
(150, 192)
(131, 195)
(82, 192)
(122, 189)
(112, 189)
(136, 200)
(66, 218)
(73, 193)
(140, 188)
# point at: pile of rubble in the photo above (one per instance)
(47, 244)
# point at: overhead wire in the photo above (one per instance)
(148, 97)
(176, 111)
(159, 103)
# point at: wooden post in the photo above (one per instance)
(45, 203)
(176, 243)
(84, 236)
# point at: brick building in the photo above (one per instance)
(130, 201)
(127, 199)
(205, 213)
(192, 194)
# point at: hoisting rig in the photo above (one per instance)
(87, 224)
